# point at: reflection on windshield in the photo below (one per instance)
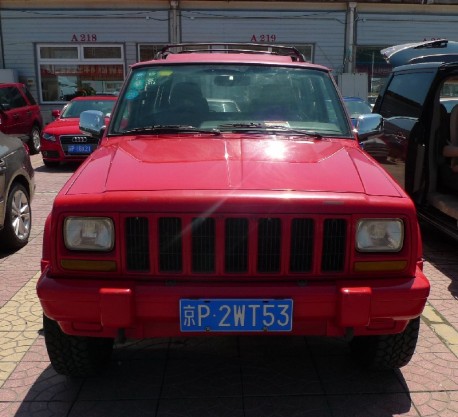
(75, 108)
(211, 96)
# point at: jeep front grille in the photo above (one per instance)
(203, 245)
(301, 245)
(170, 248)
(334, 238)
(269, 245)
(235, 245)
(137, 245)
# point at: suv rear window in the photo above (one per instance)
(405, 94)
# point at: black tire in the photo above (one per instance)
(75, 356)
(387, 351)
(34, 141)
(51, 164)
(18, 219)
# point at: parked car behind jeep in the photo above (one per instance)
(62, 139)
(20, 115)
(417, 104)
(17, 186)
(265, 220)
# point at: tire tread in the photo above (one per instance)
(387, 351)
(76, 356)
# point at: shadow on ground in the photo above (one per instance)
(223, 376)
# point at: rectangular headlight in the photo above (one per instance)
(379, 235)
(89, 233)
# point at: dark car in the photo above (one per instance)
(62, 140)
(17, 187)
(421, 127)
(20, 115)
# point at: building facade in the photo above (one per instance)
(86, 47)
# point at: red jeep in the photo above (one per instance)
(260, 217)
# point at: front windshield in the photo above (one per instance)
(75, 108)
(230, 97)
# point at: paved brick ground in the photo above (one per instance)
(222, 376)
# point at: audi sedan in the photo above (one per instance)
(62, 140)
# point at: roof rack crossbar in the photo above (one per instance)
(230, 47)
(435, 43)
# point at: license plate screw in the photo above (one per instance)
(207, 329)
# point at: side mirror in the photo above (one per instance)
(369, 125)
(55, 114)
(92, 122)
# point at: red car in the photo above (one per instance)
(189, 221)
(62, 139)
(20, 115)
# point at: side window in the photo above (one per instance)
(5, 97)
(16, 98)
(29, 96)
(405, 94)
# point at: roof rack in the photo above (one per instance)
(435, 43)
(229, 47)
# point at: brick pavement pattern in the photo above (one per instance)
(222, 376)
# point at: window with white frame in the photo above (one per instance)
(370, 60)
(146, 52)
(67, 71)
(306, 50)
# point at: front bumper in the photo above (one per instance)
(146, 309)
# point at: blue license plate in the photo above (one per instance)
(79, 149)
(236, 315)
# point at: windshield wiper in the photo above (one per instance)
(294, 131)
(241, 126)
(250, 127)
(170, 129)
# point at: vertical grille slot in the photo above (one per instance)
(137, 244)
(203, 245)
(170, 244)
(334, 239)
(269, 245)
(236, 246)
(301, 245)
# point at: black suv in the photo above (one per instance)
(420, 117)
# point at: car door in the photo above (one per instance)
(20, 111)
(402, 104)
(14, 108)
(4, 151)
(8, 120)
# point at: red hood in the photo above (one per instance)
(224, 163)
(68, 126)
